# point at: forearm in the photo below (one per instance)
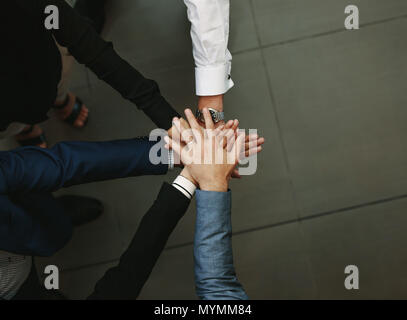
(127, 279)
(133, 86)
(215, 275)
(71, 163)
(90, 49)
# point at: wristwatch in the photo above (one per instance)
(217, 116)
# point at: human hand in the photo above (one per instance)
(184, 124)
(253, 143)
(208, 162)
(216, 102)
(185, 173)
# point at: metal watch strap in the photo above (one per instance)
(217, 116)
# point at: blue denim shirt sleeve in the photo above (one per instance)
(215, 276)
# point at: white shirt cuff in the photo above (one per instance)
(212, 81)
(185, 186)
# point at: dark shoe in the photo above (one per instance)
(81, 210)
(94, 10)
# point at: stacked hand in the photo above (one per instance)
(210, 155)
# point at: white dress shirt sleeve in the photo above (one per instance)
(184, 186)
(210, 35)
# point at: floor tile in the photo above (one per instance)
(271, 264)
(341, 106)
(287, 262)
(135, 27)
(283, 20)
(172, 277)
(249, 211)
(243, 34)
(250, 102)
(111, 117)
(79, 78)
(79, 284)
(338, 116)
(7, 144)
(132, 199)
(127, 200)
(97, 241)
(372, 238)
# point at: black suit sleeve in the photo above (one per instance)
(127, 279)
(88, 48)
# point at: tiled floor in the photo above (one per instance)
(331, 186)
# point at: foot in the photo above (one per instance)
(65, 112)
(30, 133)
(81, 210)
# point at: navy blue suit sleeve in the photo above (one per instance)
(31, 221)
(33, 224)
(71, 163)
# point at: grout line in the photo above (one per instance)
(296, 203)
(316, 35)
(89, 83)
(310, 217)
(270, 226)
(89, 265)
(277, 119)
(260, 46)
(299, 219)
